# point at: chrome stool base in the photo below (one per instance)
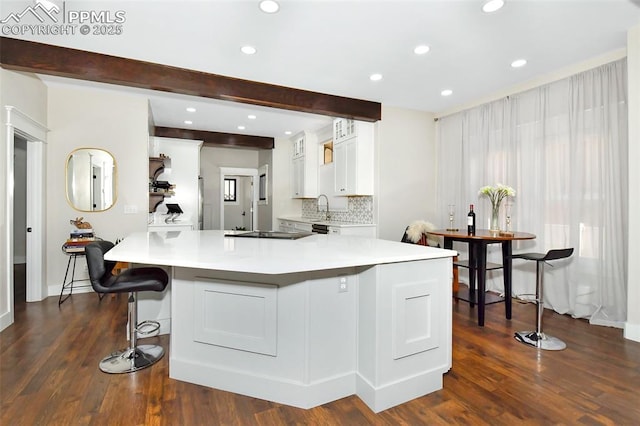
(540, 340)
(128, 361)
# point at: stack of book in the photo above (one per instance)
(78, 239)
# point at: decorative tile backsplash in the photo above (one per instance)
(359, 210)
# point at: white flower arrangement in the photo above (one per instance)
(497, 193)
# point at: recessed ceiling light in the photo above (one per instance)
(375, 77)
(188, 122)
(248, 50)
(421, 49)
(191, 109)
(241, 127)
(288, 132)
(447, 92)
(519, 63)
(491, 6)
(269, 6)
(251, 117)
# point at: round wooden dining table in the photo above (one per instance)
(477, 262)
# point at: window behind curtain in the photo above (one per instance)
(563, 147)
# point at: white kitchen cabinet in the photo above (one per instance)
(360, 230)
(335, 228)
(343, 129)
(297, 177)
(353, 161)
(293, 226)
(304, 166)
(298, 145)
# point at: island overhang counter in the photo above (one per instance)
(301, 322)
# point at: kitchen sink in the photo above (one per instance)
(278, 235)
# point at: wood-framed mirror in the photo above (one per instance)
(91, 179)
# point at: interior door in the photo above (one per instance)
(251, 210)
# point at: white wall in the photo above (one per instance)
(632, 326)
(211, 159)
(405, 170)
(265, 211)
(29, 95)
(117, 123)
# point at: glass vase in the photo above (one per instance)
(495, 217)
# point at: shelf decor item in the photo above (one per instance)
(496, 194)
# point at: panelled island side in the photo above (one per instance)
(301, 322)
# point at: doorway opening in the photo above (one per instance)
(238, 198)
(24, 127)
(19, 219)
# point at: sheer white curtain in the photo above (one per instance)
(563, 148)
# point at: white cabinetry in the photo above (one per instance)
(304, 166)
(353, 157)
(343, 129)
(305, 225)
(293, 226)
(298, 145)
(360, 231)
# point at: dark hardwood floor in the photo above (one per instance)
(49, 376)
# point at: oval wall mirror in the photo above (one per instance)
(91, 179)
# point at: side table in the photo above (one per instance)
(69, 285)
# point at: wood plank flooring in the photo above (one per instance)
(49, 376)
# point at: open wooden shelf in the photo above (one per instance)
(156, 167)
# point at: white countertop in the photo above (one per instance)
(212, 250)
(336, 223)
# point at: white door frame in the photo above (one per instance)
(234, 171)
(35, 133)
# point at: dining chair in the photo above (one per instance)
(416, 233)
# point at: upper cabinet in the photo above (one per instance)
(353, 147)
(304, 166)
(343, 129)
(298, 145)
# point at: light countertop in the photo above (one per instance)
(212, 250)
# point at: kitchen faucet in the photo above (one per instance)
(326, 212)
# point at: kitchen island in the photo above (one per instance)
(302, 322)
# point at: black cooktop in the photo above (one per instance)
(278, 235)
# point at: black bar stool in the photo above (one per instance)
(537, 338)
(135, 357)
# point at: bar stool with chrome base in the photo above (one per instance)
(135, 357)
(538, 338)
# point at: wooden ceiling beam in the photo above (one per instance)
(28, 56)
(228, 140)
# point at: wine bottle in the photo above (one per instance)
(471, 221)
